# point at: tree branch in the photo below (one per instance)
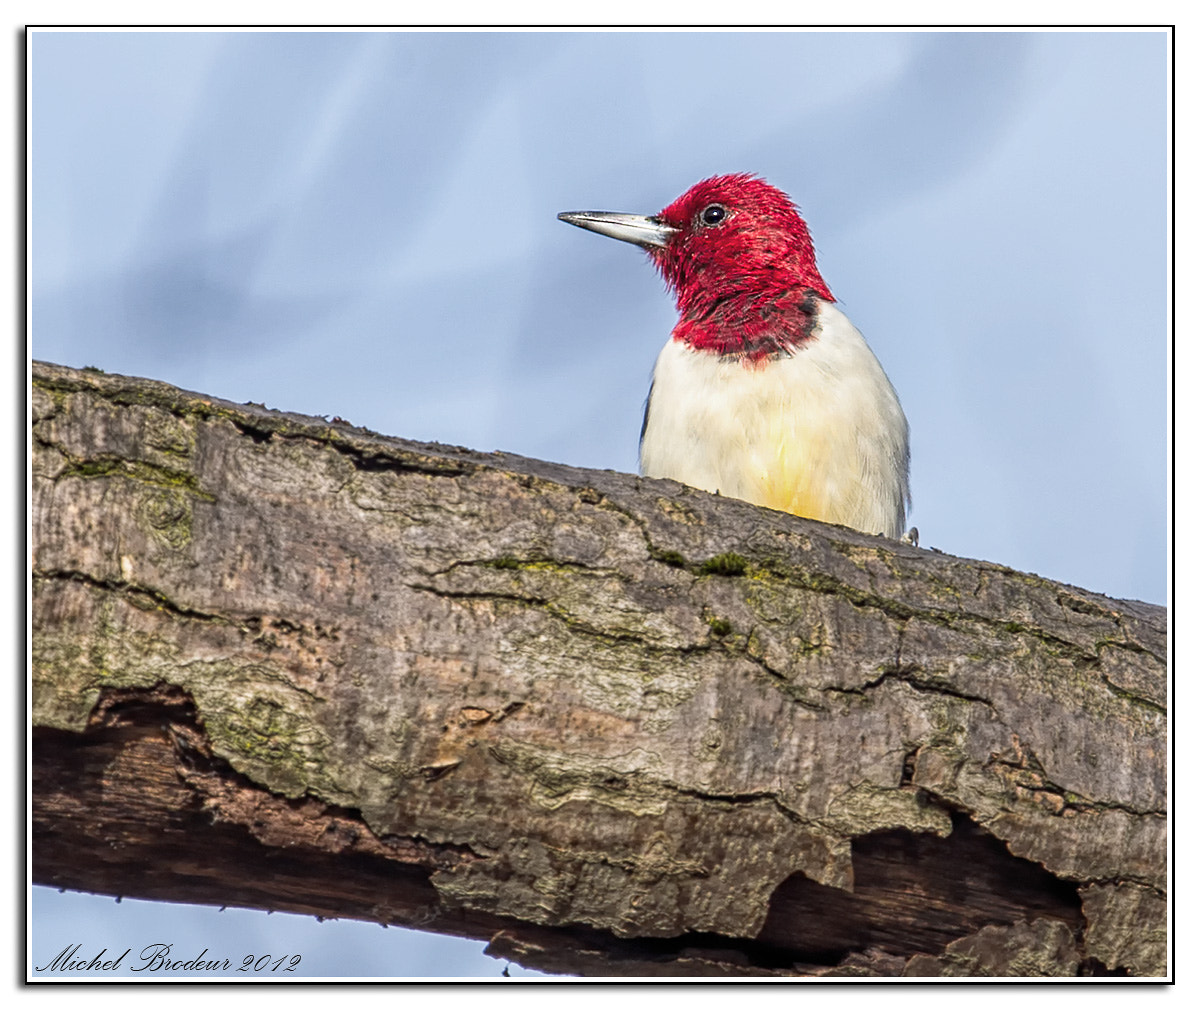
(613, 725)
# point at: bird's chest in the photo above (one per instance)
(780, 433)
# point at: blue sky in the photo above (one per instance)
(363, 224)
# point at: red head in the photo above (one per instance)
(742, 267)
(739, 259)
(735, 234)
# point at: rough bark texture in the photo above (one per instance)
(614, 725)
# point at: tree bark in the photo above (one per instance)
(613, 725)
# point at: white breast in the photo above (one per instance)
(819, 433)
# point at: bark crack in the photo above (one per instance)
(140, 596)
(910, 675)
(1130, 696)
(1027, 774)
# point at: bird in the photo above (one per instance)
(765, 391)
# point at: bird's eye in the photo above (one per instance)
(713, 214)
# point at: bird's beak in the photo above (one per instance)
(648, 232)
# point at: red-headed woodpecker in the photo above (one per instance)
(765, 391)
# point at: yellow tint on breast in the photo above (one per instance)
(797, 478)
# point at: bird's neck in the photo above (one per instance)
(754, 324)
